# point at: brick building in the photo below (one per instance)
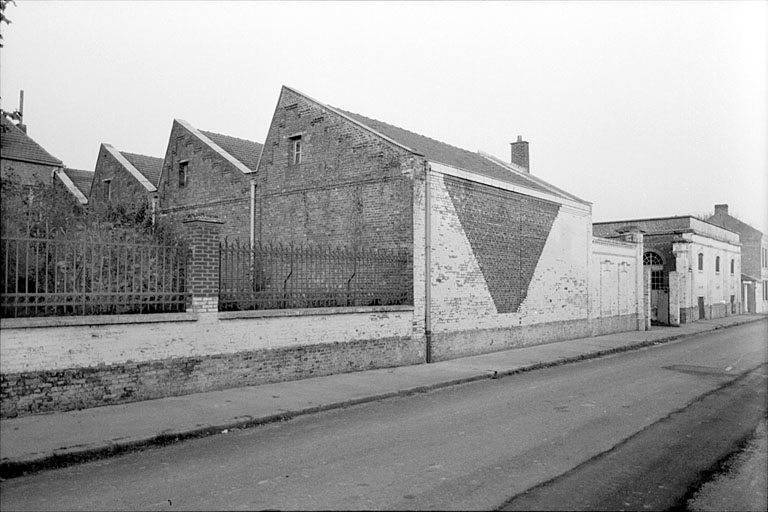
(506, 255)
(208, 174)
(754, 259)
(75, 181)
(695, 267)
(122, 177)
(23, 157)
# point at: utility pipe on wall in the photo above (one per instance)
(427, 263)
(253, 211)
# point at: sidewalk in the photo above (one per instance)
(53, 440)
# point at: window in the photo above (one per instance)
(108, 190)
(701, 261)
(183, 173)
(765, 290)
(296, 150)
(651, 258)
(657, 279)
(717, 264)
(733, 265)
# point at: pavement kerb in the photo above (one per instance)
(104, 449)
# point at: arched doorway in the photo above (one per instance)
(659, 289)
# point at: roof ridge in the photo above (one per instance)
(230, 136)
(138, 154)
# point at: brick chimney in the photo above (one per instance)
(520, 153)
(721, 209)
(21, 126)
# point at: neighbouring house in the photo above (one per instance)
(754, 259)
(208, 174)
(75, 181)
(124, 178)
(505, 256)
(695, 267)
(21, 156)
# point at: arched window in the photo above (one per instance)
(733, 266)
(651, 258)
(701, 261)
(717, 264)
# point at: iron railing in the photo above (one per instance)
(50, 277)
(286, 276)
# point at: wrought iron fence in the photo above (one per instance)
(51, 277)
(284, 276)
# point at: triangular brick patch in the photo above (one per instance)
(507, 232)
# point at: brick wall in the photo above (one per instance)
(214, 186)
(124, 187)
(49, 368)
(493, 292)
(27, 172)
(351, 188)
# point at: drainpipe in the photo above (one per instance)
(427, 262)
(253, 210)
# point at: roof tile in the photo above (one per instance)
(246, 151)
(17, 145)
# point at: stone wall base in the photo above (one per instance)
(452, 345)
(28, 393)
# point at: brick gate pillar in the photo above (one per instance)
(203, 269)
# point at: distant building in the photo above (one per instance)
(23, 157)
(208, 174)
(122, 177)
(76, 181)
(754, 259)
(695, 267)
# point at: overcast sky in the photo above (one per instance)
(645, 109)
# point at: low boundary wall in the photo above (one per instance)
(62, 364)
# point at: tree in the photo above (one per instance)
(3, 17)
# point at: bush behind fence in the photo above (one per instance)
(64, 277)
(272, 275)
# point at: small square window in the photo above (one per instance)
(183, 173)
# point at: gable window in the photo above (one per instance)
(733, 265)
(183, 173)
(108, 190)
(701, 261)
(296, 150)
(717, 264)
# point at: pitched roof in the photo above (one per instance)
(82, 179)
(149, 166)
(244, 150)
(730, 222)
(17, 145)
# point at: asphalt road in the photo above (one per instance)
(467, 447)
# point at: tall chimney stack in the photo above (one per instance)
(721, 209)
(520, 153)
(21, 126)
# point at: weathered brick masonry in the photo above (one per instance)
(114, 183)
(25, 393)
(215, 186)
(507, 232)
(351, 188)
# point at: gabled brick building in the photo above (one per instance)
(76, 181)
(208, 174)
(23, 157)
(122, 177)
(505, 256)
(754, 259)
